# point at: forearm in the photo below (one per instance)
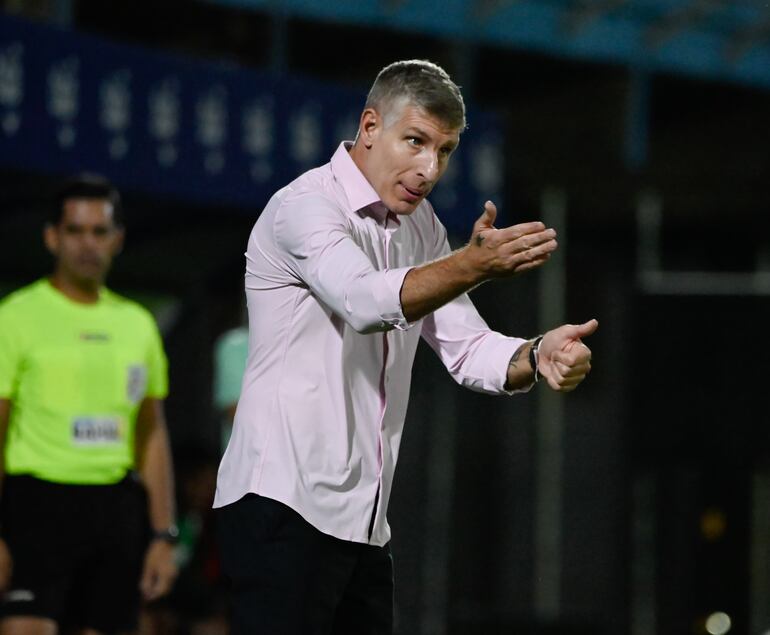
(491, 253)
(154, 462)
(155, 468)
(520, 373)
(156, 474)
(431, 286)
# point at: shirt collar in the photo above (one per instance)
(359, 191)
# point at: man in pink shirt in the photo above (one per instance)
(346, 268)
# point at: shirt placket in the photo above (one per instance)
(390, 226)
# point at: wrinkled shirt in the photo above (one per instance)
(325, 392)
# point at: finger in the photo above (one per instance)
(572, 382)
(532, 264)
(578, 372)
(487, 218)
(576, 358)
(530, 249)
(146, 584)
(490, 209)
(564, 370)
(566, 384)
(576, 369)
(564, 377)
(554, 383)
(583, 330)
(518, 258)
(161, 586)
(514, 232)
(150, 577)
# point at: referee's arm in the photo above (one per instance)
(153, 455)
(6, 563)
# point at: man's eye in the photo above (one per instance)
(414, 141)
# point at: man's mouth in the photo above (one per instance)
(412, 194)
(89, 261)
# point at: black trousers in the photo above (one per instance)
(288, 578)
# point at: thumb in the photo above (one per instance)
(487, 218)
(583, 330)
(147, 581)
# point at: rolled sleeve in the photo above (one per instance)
(388, 298)
(475, 356)
(317, 245)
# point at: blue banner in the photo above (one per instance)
(204, 132)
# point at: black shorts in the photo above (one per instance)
(288, 578)
(77, 551)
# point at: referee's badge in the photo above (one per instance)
(88, 430)
(136, 386)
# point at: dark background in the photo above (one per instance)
(664, 449)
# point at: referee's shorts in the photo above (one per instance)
(77, 551)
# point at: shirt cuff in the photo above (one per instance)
(388, 298)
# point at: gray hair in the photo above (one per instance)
(421, 83)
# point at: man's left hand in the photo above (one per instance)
(159, 570)
(563, 359)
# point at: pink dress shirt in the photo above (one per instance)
(326, 386)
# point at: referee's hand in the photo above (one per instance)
(159, 570)
(6, 566)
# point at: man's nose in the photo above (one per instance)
(90, 240)
(429, 167)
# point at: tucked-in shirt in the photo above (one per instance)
(76, 375)
(327, 380)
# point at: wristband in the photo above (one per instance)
(169, 535)
(533, 357)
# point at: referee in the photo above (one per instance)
(87, 497)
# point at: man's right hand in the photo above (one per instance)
(6, 566)
(497, 253)
(491, 253)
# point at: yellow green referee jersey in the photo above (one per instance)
(76, 375)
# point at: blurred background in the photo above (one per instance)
(640, 129)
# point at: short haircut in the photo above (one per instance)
(423, 84)
(88, 186)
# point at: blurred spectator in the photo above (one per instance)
(88, 502)
(230, 353)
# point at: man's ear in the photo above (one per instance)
(51, 238)
(118, 241)
(371, 124)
